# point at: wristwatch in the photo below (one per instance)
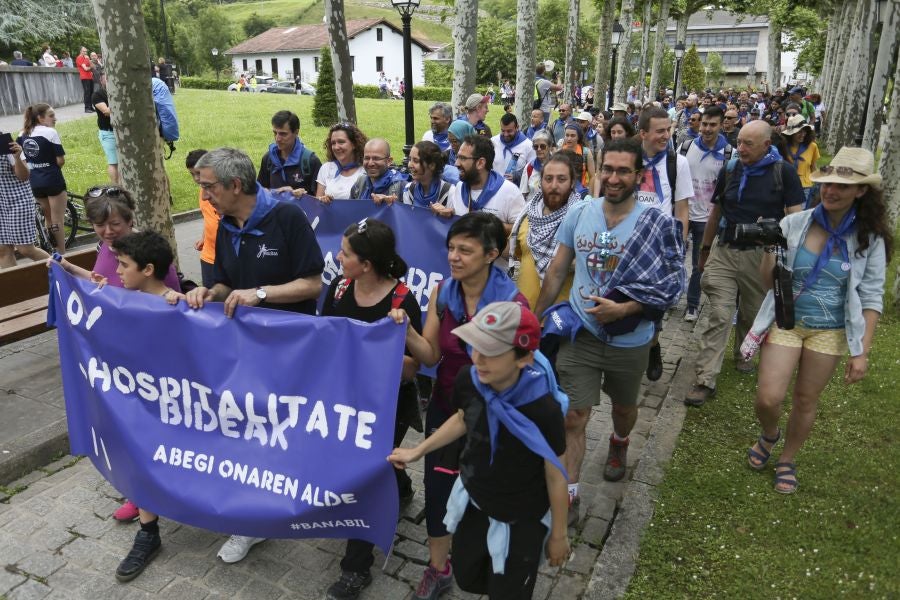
(261, 294)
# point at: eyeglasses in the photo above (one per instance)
(793, 114)
(104, 190)
(623, 172)
(461, 157)
(842, 171)
(362, 226)
(538, 147)
(207, 185)
(375, 158)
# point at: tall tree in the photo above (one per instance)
(340, 59)
(124, 42)
(659, 45)
(645, 48)
(526, 25)
(256, 24)
(325, 113)
(36, 19)
(571, 41)
(693, 74)
(603, 56)
(889, 168)
(626, 18)
(214, 30)
(773, 63)
(465, 37)
(715, 68)
(887, 54)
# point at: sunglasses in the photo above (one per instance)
(841, 171)
(103, 190)
(362, 226)
(540, 146)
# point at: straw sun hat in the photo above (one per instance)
(850, 166)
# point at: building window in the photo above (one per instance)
(274, 67)
(352, 63)
(259, 66)
(734, 39)
(379, 34)
(733, 60)
(245, 65)
(379, 64)
(316, 64)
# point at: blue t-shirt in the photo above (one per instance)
(597, 254)
(41, 148)
(820, 306)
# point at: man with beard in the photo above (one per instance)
(441, 115)
(628, 272)
(382, 183)
(288, 166)
(512, 150)
(537, 123)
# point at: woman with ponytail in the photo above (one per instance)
(45, 157)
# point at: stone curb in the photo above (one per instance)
(33, 451)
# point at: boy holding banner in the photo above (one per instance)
(510, 501)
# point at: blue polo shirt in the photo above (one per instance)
(281, 248)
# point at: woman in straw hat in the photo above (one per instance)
(839, 252)
(803, 152)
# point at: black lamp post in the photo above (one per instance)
(679, 54)
(215, 53)
(617, 32)
(406, 8)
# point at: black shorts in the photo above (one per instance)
(47, 191)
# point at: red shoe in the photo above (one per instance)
(126, 513)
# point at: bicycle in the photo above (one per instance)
(71, 225)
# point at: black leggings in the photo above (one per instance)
(88, 86)
(472, 563)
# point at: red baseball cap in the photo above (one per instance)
(500, 327)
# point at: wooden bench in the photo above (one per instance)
(24, 294)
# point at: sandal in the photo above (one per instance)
(762, 456)
(782, 478)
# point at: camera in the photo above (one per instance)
(765, 231)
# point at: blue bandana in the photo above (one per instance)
(716, 151)
(442, 140)
(341, 168)
(835, 238)
(275, 162)
(529, 133)
(265, 202)
(796, 155)
(650, 163)
(491, 187)
(508, 146)
(757, 168)
(381, 185)
(426, 200)
(498, 288)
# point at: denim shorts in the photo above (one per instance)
(108, 142)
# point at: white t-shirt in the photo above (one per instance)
(506, 204)
(336, 185)
(524, 149)
(704, 174)
(684, 186)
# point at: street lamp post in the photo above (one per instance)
(679, 54)
(215, 53)
(617, 32)
(406, 8)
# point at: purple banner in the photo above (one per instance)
(270, 424)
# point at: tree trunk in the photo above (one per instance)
(123, 39)
(465, 36)
(831, 34)
(340, 58)
(571, 41)
(681, 28)
(887, 52)
(840, 53)
(659, 46)
(526, 27)
(626, 18)
(601, 68)
(645, 47)
(890, 162)
(773, 66)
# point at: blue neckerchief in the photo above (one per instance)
(716, 151)
(650, 163)
(591, 134)
(491, 187)
(275, 162)
(579, 187)
(341, 168)
(265, 202)
(508, 146)
(691, 134)
(686, 114)
(537, 165)
(442, 140)
(835, 238)
(381, 185)
(501, 407)
(498, 288)
(428, 199)
(529, 133)
(757, 168)
(800, 150)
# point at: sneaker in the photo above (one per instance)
(237, 547)
(574, 508)
(146, 547)
(699, 394)
(615, 459)
(434, 583)
(691, 315)
(349, 585)
(744, 366)
(126, 513)
(654, 363)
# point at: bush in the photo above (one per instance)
(438, 74)
(420, 93)
(203, 83)
(325, 104)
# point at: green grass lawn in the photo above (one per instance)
(210, 119)
(721, 531)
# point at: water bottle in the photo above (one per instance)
(512, 166)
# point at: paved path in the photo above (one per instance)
(57, 539)
(13, 123)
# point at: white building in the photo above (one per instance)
(284, 52)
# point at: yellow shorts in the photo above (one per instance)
(824, 341)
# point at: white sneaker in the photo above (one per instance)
(691, 315)
(237, 547)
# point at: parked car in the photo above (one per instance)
(262, 83)
(306, 89)
(289, 87)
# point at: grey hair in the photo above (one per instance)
(444, 107)
(229, 164)
(543, 134)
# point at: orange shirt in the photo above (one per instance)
(210, 227)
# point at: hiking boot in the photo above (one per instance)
(349, 585)
(745, 367)
(237, 547)
(434, 583)
(615, 459)
(692, 315)
(698, 395)
(654, 363)
(146, 547)
(574, 509)
(126, 513)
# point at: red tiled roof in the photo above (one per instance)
(308, 37)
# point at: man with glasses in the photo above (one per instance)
(288, 166)
(382, 183)
(628, 271)
(692, 130)
(758, 185)
(558, 128)
(730, 127)
(441, 115)
(682, 118)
